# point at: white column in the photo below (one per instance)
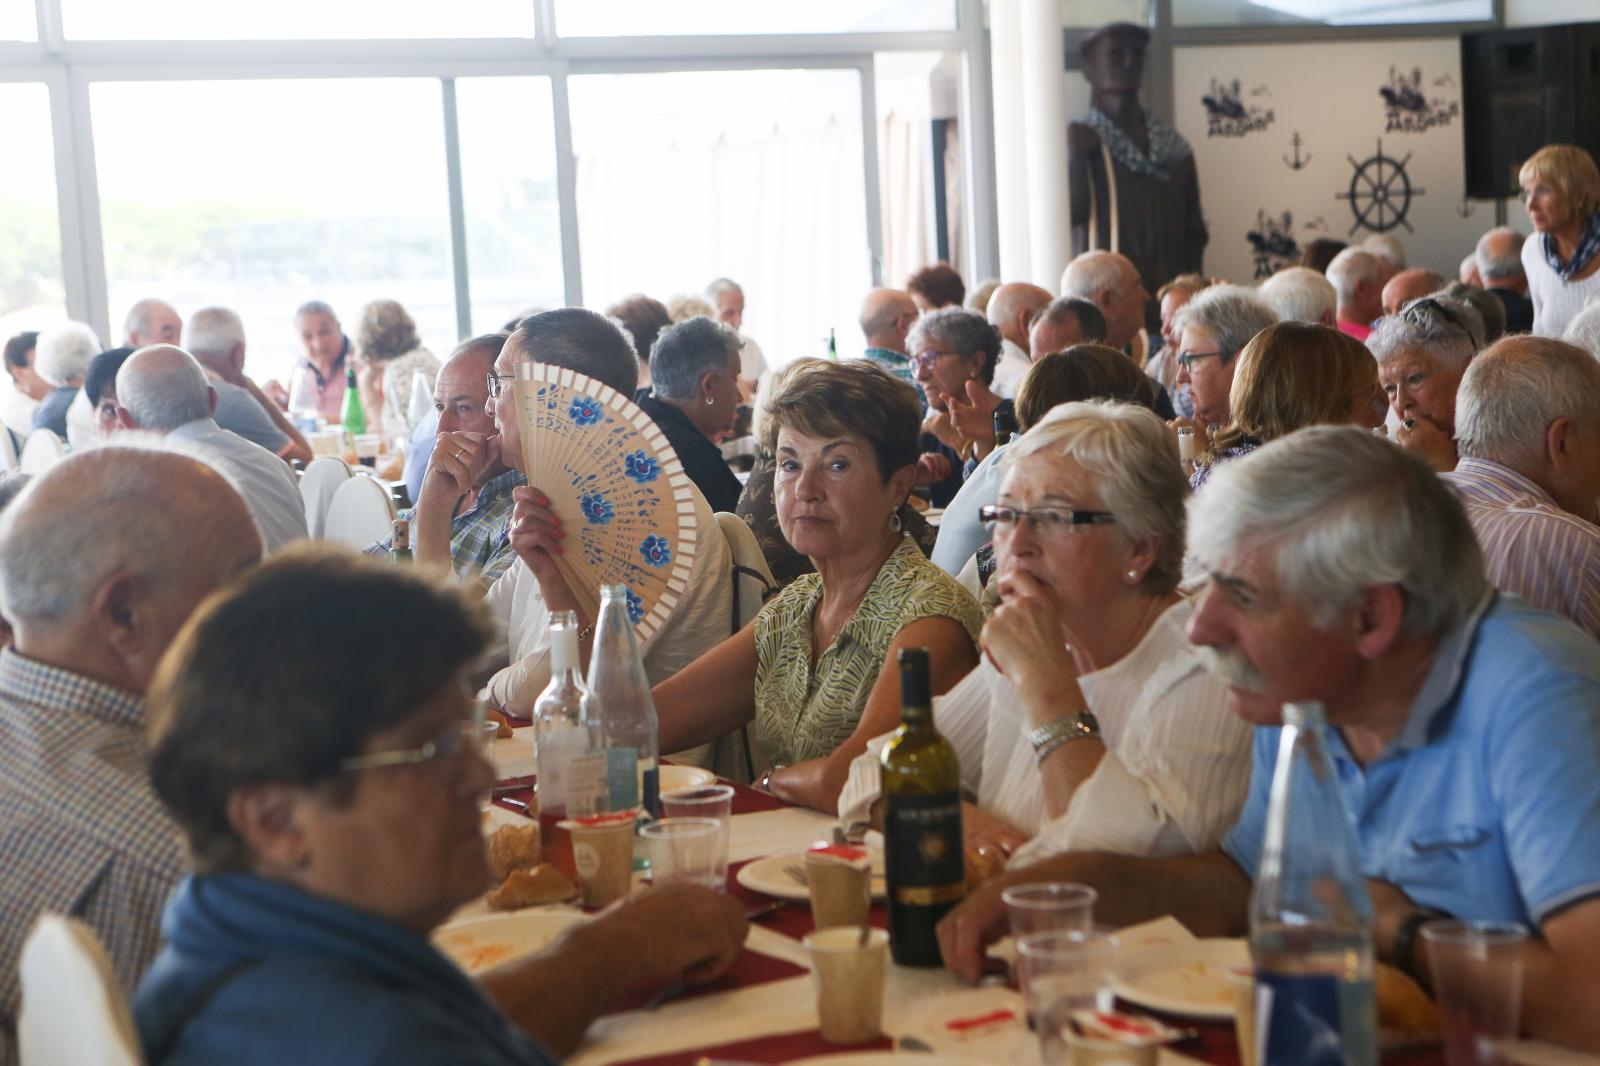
(1045, 130)
(1010, 152)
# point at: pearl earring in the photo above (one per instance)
(1133, 575)
(710, 400)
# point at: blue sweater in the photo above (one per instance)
(260, 972)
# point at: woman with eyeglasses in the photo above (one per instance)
(1091, 722)
(1422, 353)
(1561, 190)
(333, 819)
(1212, 329)
(1293, 375)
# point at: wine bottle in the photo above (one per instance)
(921, 821)
(1310, 915)
(620, 709)
(400, 542)
(563, 744)
(355, 417)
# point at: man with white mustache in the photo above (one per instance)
(1464, 726)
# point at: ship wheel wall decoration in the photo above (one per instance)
(1380, 192)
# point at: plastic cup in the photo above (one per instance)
(1062, 972)
(703, 801)
(1242, 982)
(838, 880)
(1087, 1051)
(687, 849)
(847, 973)
(1477, 983)
(368, 446)
(602, 850)
(1051, 907)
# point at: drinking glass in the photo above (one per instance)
(1061, 972)
(1053, 906)
(704, 801)
(1477, 982)
(687, 849)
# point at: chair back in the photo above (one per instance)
(322, 478)
(42, 450)
(362, 513)
(8, 451)
(73, 1010)
(753, 585)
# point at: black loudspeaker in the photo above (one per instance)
(1521, 90)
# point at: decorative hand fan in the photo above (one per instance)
(617, 486)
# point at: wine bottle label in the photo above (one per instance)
(923, 857)
(587, 784)
(1314, 1020)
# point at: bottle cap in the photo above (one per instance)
(1304, 712)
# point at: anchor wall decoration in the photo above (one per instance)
(1297, 163)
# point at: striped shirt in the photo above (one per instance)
(479, 544)
(1532, 549)
(80, 828)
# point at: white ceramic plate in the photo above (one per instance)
(674, 777)
(478, 944)
(1187, 979)
(1008, 1041)
(879, 1058)
(768, 875)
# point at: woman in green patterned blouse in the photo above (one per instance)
(810, 670)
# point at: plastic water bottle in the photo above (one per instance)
(563, 742)
(1310, 916)
(620, 710)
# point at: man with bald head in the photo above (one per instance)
(1408, 285)
(163, 390)
(1499, 260)
(1355, 277)
(465, 504)
(886, 319)
(1110, 282)
(96, 580)
(151, 321)
(1012, 309)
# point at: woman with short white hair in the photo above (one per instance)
(1090, 723)
(1422, 352)
(61, 357)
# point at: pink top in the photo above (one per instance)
(1355, 329)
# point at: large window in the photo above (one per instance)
(262, 195)
(31, 291)
(607, 18)
(513, 207)
(754, 175)
(200, 20)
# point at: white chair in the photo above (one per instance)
(42, 450)
(322, 478)
(753, 585)
(73, 1010)
(8, 451)
(361, 513)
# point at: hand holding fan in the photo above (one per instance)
(616, 485)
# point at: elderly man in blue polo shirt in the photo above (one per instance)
(1465, 725)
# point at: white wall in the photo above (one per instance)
(1330, 93)
(1550, 12)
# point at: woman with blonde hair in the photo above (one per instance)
(391, 356)
(1561, 190)
(1293, 375)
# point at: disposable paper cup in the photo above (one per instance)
(1477, 983)
(838, 877)
(1242, 982)
(602, 850)
(1050, 907)
(848, 976)
(687, 849)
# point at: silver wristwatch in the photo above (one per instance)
(1061, 732)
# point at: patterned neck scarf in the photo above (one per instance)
(1588, 247)
(1167, 145)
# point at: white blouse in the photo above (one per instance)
(1176, 768)
(1555, 302)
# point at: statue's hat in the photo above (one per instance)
(1114, 29)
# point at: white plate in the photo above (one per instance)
(1187, 979)
(877, 1058)
(1008, 1041)
(478, 944)
(768, 876)
(675, 777)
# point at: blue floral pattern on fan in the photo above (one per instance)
(635, 607)
(641, 467)
(584, 411)
(656, 550)
(596, 508)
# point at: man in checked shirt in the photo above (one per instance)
(102, 559)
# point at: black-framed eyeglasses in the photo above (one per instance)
(451, 743)
(1046, 521)
(1417, 311)
(926, 359)
(1187, 360)
(497, 383)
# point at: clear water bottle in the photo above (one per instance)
(619, 708)
(1310, 916)
(560, 732)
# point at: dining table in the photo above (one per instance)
(763, 1009)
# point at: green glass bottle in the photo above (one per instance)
(921, 821)
(400, 542)
(355, 419)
